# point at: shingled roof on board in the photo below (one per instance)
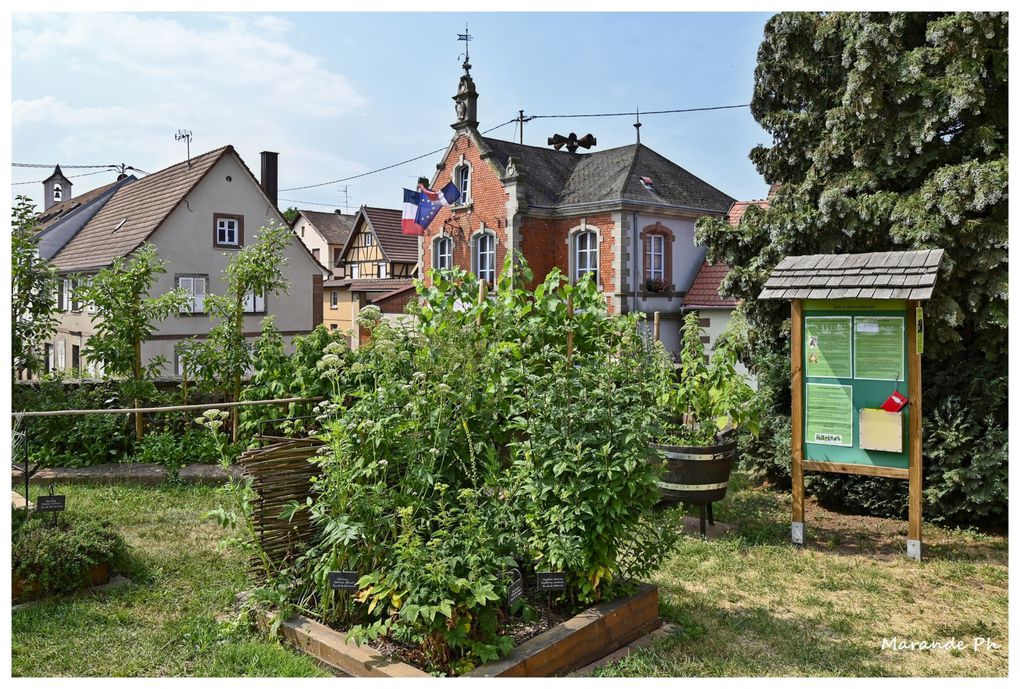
(882, 275)
(558, 178)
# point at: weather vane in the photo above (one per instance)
(467, 38)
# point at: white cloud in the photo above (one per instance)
(235, 57)
(111, 87)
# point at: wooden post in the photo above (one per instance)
(570, 329)
(797, 418)
(655, 325)
(139, 420)
(482, 291)
(914, 413)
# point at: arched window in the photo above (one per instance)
(58, 193)
(586, 255)
(442, 253)
(462, 178)
(484, 258)
(657, 241)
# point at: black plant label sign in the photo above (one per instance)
(551, 581)
(515, 589)
(50, 503)
(344, 580)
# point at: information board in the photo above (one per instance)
(854, 357)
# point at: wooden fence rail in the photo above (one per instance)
(153, 410)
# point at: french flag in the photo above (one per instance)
(409, 218)
(421, 206)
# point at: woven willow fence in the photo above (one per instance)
(281, 473)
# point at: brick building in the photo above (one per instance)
(625, 214)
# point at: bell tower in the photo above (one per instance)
(56, 188)
(465, 103)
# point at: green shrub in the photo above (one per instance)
(75, 441)
(476, 443)
(58, 558)
(279, 375)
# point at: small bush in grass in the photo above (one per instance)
(58, 558)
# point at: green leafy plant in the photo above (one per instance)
(705, 396)
(33, 292)
(474, 441)
(220, 361)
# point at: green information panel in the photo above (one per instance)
(830, 414)
(878, 348)
(854, 357)
(828, 346)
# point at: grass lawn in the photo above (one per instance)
(746, 604)
(750, 604)
(167, 622)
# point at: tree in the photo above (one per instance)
(125, 317)
(33, 291)
(222, 359)
(889, 132)
(291, 214)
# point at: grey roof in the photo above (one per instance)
(62, 226)
(334, 227)
(554, 178)
(882, 275)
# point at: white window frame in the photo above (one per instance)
(355, 271)
(462, 178)
(190, 283)
(334, 299)
(369, 239)
(90, 307)
(586, 258)
(484, 262)
(656, 272)
(383, 271)
(222, 229)
(442, 259)
(61, 355)
(254, 303)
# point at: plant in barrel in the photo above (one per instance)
(701, 404)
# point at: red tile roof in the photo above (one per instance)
(738, 208)
(704, 291)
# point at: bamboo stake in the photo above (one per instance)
(570, 329)
(655, 325)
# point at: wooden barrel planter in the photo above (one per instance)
(698, 475)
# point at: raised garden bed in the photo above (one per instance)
(579, 641)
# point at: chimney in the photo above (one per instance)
(270, 174)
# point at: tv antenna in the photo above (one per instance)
(347, 200)
(467, 38)
(185, 134)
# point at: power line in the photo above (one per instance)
(84, 174)
(63, 166)
(388, 167)
(311, 203)
(649, 112)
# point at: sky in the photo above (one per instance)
(340, 94)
